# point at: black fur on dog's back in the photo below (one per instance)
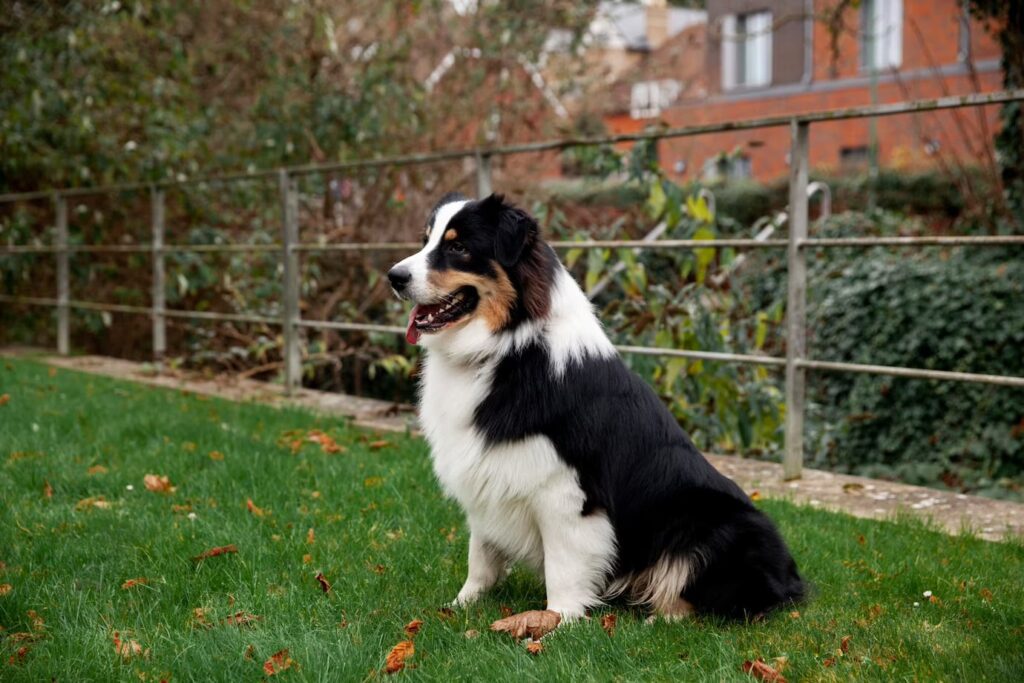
(638, 466)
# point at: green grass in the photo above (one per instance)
(384, 538)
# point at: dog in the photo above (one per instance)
(562, 458)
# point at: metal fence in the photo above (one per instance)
(796, 244)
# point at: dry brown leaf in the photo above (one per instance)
(608, 622)
(47, 490)
(24, 637)
(181, 509)
(253, 508)
(242, 619)
(158, 483)
(844, 646)
(535, 624)
(310, 536)
(19, 656)
(831, 661)
(446, 613)
(755, 495)
(214, 552)
(327, 443)
(377, 445)
(250, 652)
(278, 662)
(413, 627)
(758, 669)
(128, 648)
(140, 581)
(5, 588)
(96, 469)
(534, 647)
(795, 614)
(472, 633)
(506, 611)
(395, 661)
(38, 625)
(199, 618)
(5, 399)
(216, 455)
(325, 586)
(98, 502)
(986, 595)
(307, 558)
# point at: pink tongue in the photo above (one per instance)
(412, 335)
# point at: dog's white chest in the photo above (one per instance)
(501, 487)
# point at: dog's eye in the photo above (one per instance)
(458, 248)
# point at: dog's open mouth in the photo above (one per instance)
(430, 318)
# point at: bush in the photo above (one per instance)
(961, 311)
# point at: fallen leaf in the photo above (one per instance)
(758, 669)
(242, 619)
(534, 623)
(472, 633)
(199, 618)
(378, 569)
(307, 558)
(986, 595)
(310, 536)
(831, 661)
(506, 611)
(181, 509)
(19, 656)
(214, 552)
(534, 647)
(250, 652)
(377, 445)
(413, 627)
(5, 399)
(24, 636)
(254, 509)
(278, 662)
(795, 614)
(5, 588)
(216, 455)
(96, 469)
(47, 490)
(446, 613)
(326, 442)
(371, 482)
(128, 648)
(158, 483)
(324, 585)
(141, 581)
(755, 495)
(98, 502)
(395, 661)
(608, 623)
(844, 646)
(38, 625)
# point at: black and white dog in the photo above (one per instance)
(562, 458)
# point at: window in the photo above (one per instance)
(727, 167)
(746, 50)
(648, 98)
(853, 159)
(881, 35)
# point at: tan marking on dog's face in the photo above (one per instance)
(450, 235)
(496, 293)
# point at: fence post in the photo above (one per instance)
(796, 299)
(60, 204)
(290, 303)
(159, 296)
(483, 175)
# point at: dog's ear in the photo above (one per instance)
(514, 229)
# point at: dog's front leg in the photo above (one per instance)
(578, 553)
(487, 566)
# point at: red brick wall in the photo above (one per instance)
(931, 30)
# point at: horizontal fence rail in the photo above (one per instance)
(797, 243)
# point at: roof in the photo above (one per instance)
(623, 25)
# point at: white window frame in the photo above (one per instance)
(648, 98)
(881, 44)
(747, 50)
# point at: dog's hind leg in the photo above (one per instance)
(487, 566)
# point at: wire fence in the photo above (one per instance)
(796, 245)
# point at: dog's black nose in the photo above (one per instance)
(399, 277)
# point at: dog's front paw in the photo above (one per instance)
(465, 598)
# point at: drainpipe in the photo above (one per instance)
(808, 74)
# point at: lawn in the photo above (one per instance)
(78, 522)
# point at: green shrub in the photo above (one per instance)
(960, 311)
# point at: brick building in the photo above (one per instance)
(756, 58)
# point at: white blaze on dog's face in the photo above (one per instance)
(481, 261)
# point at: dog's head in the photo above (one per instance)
(483, 263)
